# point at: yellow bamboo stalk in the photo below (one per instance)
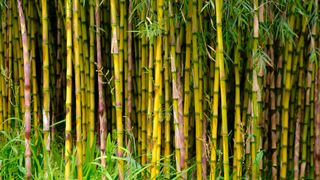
(9, 66)
(214, 121)
(68, 129)
(82, 63)
(77, 73)
(86, 64)
(197, 102)
(157, 92)
(285, 105)
(187, 97)
(5, 41)
(46, 88)
(92, 76)
(223, 94)
(150, 104)
(35, 91)
(130, 71)
(256, 95)
(117, 79)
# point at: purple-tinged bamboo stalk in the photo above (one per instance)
(27, 96)
(101, 103)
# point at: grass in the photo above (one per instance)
(12, 164)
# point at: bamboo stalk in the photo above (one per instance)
(117, 79)
(92, 75)
(68, 129)
(187, 96)
(238, 137)
(157, 92)
(27, 84)
(220, 59)
(2, 92)
(143, 93)
(196, 85)
(285, 106)
(82, 61)
(77, 79)
(167, 103)
(46, 88)
(129, 81)
(101, 103)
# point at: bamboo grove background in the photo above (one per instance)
(160, 89)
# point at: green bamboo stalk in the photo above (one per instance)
(143, 93)
(16, 63)
(313, 127)
(167, 99)
(139, 94)
(2, 92)
(238, 132)
(312, 114)
(314, 39)
(306, 121)
(85, 44)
